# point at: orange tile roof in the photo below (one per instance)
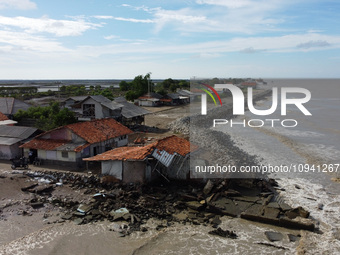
(3, 117)
(172, 144)
(92, 131)
(44, 144)
(247, 83)
(99, 130)
(124, 153)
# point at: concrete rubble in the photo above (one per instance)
(185, 202)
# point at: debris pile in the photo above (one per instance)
(185, 202)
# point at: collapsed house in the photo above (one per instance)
(68, 145)
(167, 157)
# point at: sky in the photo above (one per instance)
(179, 39)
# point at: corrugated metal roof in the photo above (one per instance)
(164, 157)
(16, 131)
(10, 105)
(130, 110)
(9, 140)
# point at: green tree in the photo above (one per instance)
(124, 86)
(48, 117)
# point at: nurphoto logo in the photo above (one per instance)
(239, 104)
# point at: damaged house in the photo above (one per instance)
(167, 157)
(68, 145)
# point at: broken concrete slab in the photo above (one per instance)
(293, 238)
(42, 189)
(182, 216)
(82, 208)
(117, 214)
(271, 212)
(208, 187)
(31, 186)
(297, 223)
(223, 233)
(195, 205)
(273, 236)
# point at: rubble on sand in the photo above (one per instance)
(180, 201)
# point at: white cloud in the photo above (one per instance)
(226, 3)
(134, 20)
(110, 37)
(312, 44)
(15, 41)
(102, 17)
(45, 24)
(213, 49)
(17, 4)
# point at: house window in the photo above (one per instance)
(64, 154)
(89, 110)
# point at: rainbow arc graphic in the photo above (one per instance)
(204, 97)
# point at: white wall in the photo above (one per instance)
(113, 168)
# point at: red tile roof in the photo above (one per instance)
(92, 131)
(3, 117)
(247, 83)
(172, 144)
(99, 130)
(44, 144)
(124, 153)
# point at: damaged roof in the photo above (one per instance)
(130, 110)
(172, 144)
(94, 131)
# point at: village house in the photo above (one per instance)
(10, 106)
(150, 99)
(166, 158)
(11, 137)
(172, 99)
(69, 102)
(186, 95)
(131, 114)
(97, 107)
(68, 145)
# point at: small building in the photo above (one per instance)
(97, 107)
(12, 137)
(10, 106)
(167, 157)
(150, 99)
(131, 114)
(172, 99)
(69, 102)
(186, 95)
(68, 145)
